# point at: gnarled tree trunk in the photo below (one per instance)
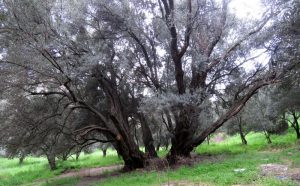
(117, 126)
(132, 156)
(183, 134)
(184, 141)
(51, 161)
(147, 137)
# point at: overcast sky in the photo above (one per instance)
(247, 9)
(250, 9)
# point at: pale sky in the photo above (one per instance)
(247, 9)
(250, 9)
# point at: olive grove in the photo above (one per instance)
(136, 73)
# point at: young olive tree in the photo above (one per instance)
(285, 97)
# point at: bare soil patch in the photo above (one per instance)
(91, 172)
(90, 175)
(280, 171)
(274, 169)
(160, 164)
(86, 176)
(86, 181)
(295, 174)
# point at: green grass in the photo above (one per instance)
(91, 160)
(61, 182)
(230, 155)
(11, 173)
(227, 156)
(214, 173)
(256, 142)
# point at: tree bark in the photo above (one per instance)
(119, 126)
(267, 135)
(77, 155)
(104, 152)
(167, 145)
(295, 124)
(208, 139)
(183, 135)
(147, 137)
(184, 142)
(297, 130)
(21, 159)
(51, 161)
(242, 135)
(133, 158)
(179, 74)
(65, 157)
(157, 147)
(126, 147)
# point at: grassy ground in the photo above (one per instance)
(256, 142)
(230, 155)
(11, 173)
(227, 156)
(210, 173)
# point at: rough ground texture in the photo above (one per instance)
(280, 171)
(91, 172)
(86, 176)
(183, 183)
(90, 175)
(87, 181)
(161, 164)
(274, 170)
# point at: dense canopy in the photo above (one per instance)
(142, 73)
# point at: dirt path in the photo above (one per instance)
(89, 176)
(91, 172)
(87, 181)
(86, 176)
